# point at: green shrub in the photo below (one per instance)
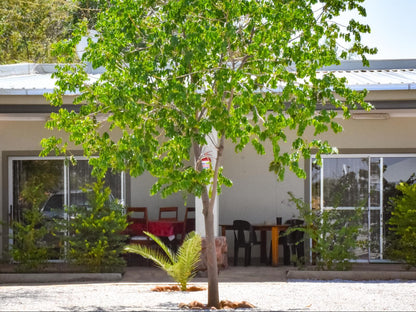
(334, 234)
(94, 232)
(402, 245)
(182, 266)
(29, 249)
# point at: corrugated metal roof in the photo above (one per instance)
(31, 84)
(32, 79)
(401, 79)
(35, 79)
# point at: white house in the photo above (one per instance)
(376, 149)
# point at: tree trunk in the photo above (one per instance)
(208, 212)
(212, 268)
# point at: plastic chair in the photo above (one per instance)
(293, 244)
(188, 221)
(168, 213)
(244, 237)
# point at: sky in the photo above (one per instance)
(393, 28)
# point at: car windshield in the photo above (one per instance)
(56, 202)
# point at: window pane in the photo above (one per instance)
(345, 185)
(316, 187)
(28, 175)
(375, 246)
(41, 182)
(345, 182)
(395, 170)
(80, 176)
(34, 182)
(375, 187)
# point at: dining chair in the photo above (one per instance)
(244, 237)
(138, 222)
(137, 218)
(188, 221)
(168, 213)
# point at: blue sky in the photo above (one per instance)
(393, 28)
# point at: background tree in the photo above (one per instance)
(180, 73)
(28, 28)
(87, 10)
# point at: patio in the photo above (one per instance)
(260, 273)
(233, 274)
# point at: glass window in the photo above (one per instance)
(51, 184)
(345, 182)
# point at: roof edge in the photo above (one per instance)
(351, 65)
(346, 65)
(21, 69)
(26, 69)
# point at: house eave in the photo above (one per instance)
(25, 91)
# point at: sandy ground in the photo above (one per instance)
(266, 296)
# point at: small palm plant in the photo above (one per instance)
(182, 266)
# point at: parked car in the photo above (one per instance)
(54, 207)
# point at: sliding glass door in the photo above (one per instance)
(346, 182)
(51, 184)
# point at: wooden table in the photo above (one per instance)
(263, 228)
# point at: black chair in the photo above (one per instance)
(293, 244)
(244, 237)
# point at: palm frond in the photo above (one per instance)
(188, 257)
(159, 258)
(171, 255)
(189, 252)
(181, 267)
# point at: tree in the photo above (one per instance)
(29, 27)
(181, 73)
(88, 10)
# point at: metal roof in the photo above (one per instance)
(32, 84)
(373, 80)
(36, 79)
(31, 79)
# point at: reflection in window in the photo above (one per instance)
(55, 184)
(347, 182)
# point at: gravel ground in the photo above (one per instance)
(266, 296)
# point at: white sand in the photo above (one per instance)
(266, 296)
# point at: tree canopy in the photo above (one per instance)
(179, 72)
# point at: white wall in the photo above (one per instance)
(140, 197)
(390, 133)
(256, 195)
